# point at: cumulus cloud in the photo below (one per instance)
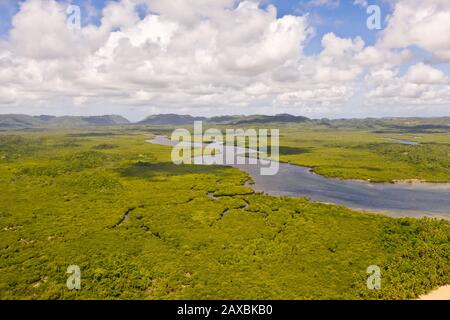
(425, 74)
(421, 85)
(412, 24)
(203, 57)
(421, 23)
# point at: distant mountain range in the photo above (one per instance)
(20, 121)
(175, 119)
(170, 119)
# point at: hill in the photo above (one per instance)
(391, 125)
(380, 125)
(174, 119)
(279, 118)
(20, 121)
(170, 119)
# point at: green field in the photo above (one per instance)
(195, 232)
(356, 154)
(362, 154)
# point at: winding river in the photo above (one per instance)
(401, 141)
(414, 200)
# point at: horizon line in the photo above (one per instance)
(225, 115)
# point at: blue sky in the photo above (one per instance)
(346, 20)
(244, 60)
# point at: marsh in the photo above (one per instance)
(395, 199)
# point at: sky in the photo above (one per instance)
(316, 58)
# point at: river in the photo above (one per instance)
(413, 200)
(406, 142)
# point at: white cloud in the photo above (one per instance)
(421, 85)
(235, 56)
(376, 56)
(425, 74)
(424, 23)
(417, 23)
(331, 4)
(361, 3)
(200, 56)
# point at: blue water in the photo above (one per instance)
(407, 142)
(393, 199)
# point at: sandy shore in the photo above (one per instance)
(443, 293)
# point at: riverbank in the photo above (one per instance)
(406, 200)
(443, 293)
(178, 243)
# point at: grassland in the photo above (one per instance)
(347, 152)
(64, 196)
(356, 154)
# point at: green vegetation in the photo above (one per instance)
(140, 227)
(21, 121)
(358, 154)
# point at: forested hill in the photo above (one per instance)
(174, 119)
(380, 125)
(21, 121)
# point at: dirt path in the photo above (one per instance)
(443, 293)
